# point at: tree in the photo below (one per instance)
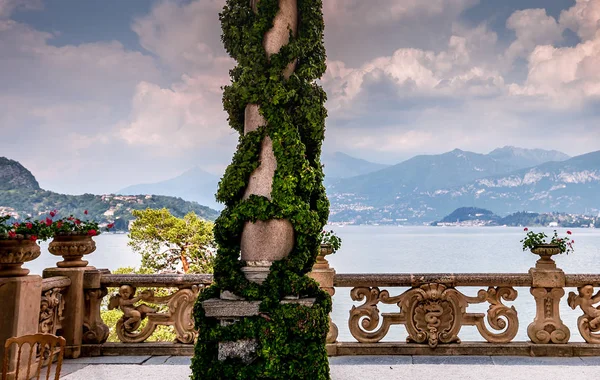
(170, 243)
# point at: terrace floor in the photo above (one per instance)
(356, 367)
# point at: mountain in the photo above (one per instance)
(464, 214)
(21, 197)
(341, 165)
(428, 187)
(525, 158)
(13, 176)
(194, 185)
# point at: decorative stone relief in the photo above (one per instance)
(433, 314)
(95, 331)
(547, 326)
(589, 322)
(51, 311)
(178, 314)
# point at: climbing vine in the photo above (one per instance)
(290, 337)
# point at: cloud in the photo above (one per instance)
(583, 18)
(533, 27)
(7, 7)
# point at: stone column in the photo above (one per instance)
(264, 242)
(74, 307)
(20, 311)
(548, 284)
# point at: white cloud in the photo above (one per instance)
(533, 27)
(583, 18)
(187, 116)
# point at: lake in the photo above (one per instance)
(390, 249)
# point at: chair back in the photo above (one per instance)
(42, 349)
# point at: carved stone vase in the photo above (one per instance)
(15, 252)
(72, 248)
(546, 251)
(326, 249)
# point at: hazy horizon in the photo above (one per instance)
(98, 96)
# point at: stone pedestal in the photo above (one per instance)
(20, 311)
(548, 282)
(324, 275)
(74, 307)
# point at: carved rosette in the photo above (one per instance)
(547, 326)
(180, 306)
(433, 314)
(51, 311)
(72, 248)
(589, 323)
(14, 253)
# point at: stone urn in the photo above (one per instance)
(72, 248)
(546, 251)
(322, 263)
(14, 252)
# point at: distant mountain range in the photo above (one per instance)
(21, 197)
(426, 188)
(194, 185)
(200, 186)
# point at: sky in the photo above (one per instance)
(99, 95)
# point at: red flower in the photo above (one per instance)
(77, 221)
(33, 238)
(110, 225)
(85, 212)
(29, 225)
(59, 224)
(92, 233)
(526, 229)
(52, 214)
(572, 241)
(16, 225)
(568, 232)
(12, 234)
(70, 218)
(48, 222)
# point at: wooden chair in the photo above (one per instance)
(42, 349)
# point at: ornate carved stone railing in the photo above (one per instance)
(52, 304)
(143, 311)
(432, 309)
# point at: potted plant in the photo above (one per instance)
(19, 244)
(537, 243)
(73, 239)
(330, 243)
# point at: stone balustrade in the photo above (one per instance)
(432, 307)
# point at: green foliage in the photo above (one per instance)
(116, 207)
(330, 238)
(28, 229)
(290, 338)
(169, 243)
(533, 240)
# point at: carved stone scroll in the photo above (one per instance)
(51, 311)
(589, 322)
(433, 314)
(547, 326)
(179, 307)
(95, 331)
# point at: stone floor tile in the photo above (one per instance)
(467, 360)
(156, 360)
(179, 360)
(370, 360)
(109, 360)
(532, 361)
(591, 360)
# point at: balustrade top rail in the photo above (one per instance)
(55, 283)
(156, 280)
(345, 280)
